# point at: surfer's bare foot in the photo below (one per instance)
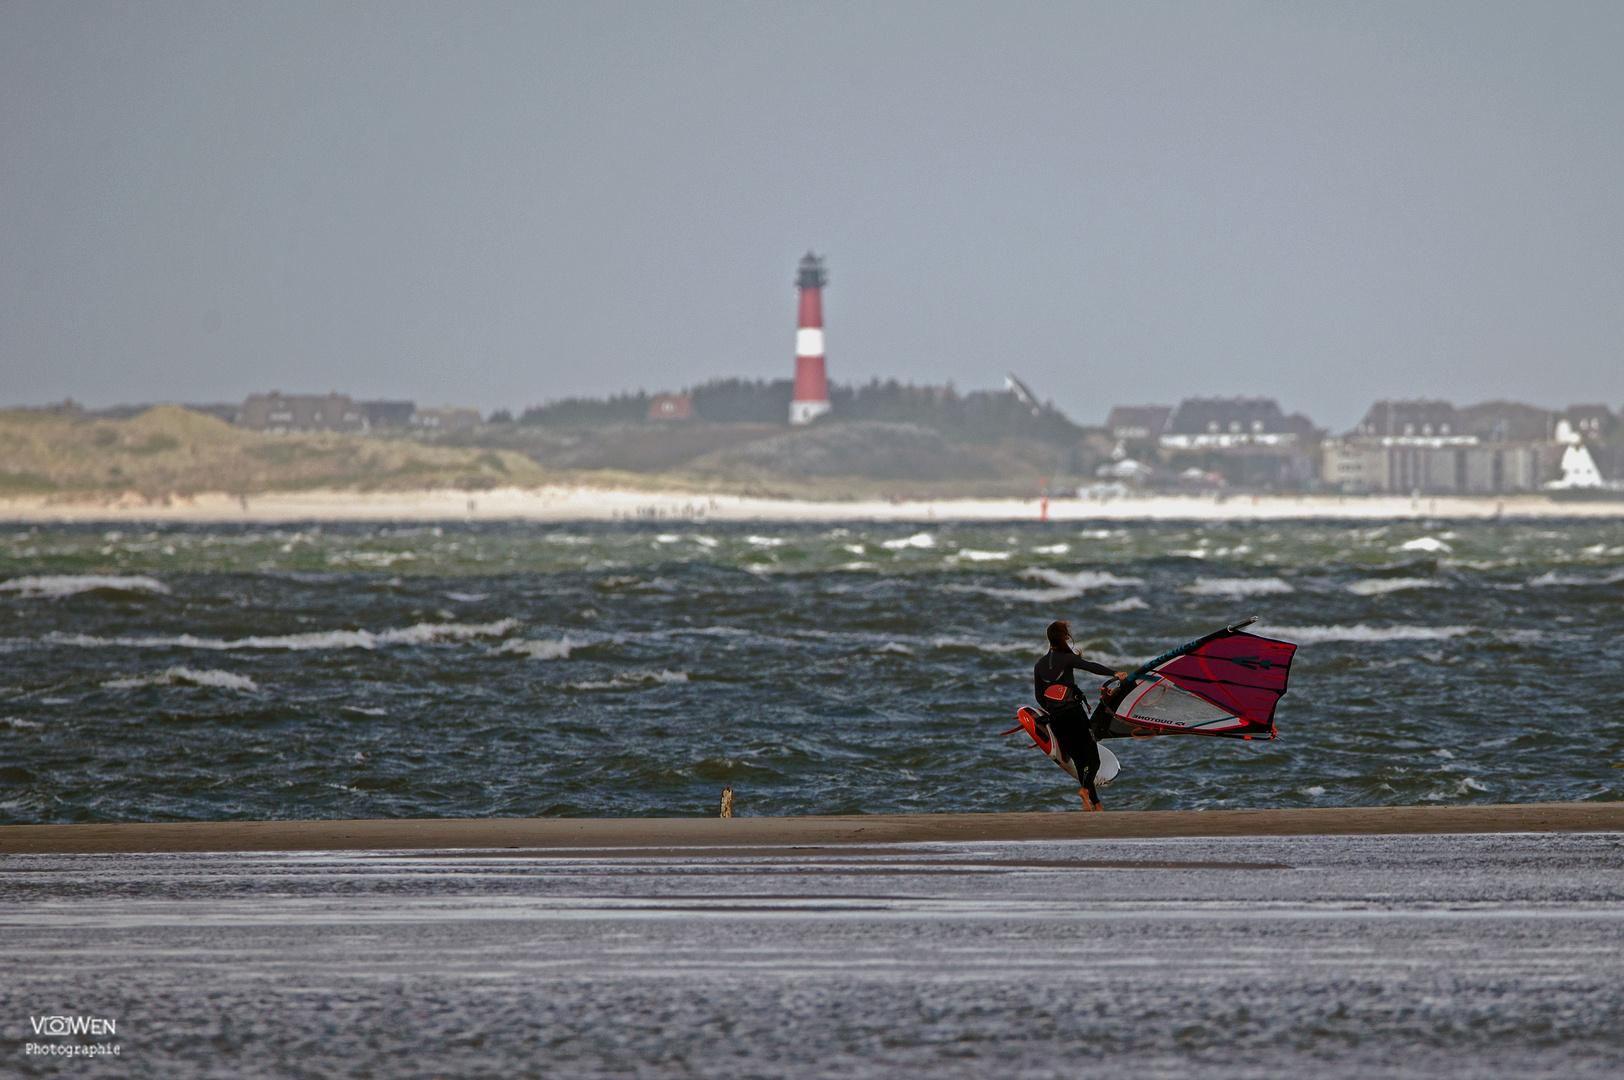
(1088, 804)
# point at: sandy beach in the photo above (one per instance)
(766, 832)
(565, 504)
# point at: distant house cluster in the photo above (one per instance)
(1428, 447)
(293, 413)
(1243, 441)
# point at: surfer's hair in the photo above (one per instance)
(1059, 633)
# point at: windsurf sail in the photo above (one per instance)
(1224, 683)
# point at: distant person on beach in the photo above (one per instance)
(1057, 694)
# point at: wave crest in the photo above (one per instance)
(536, 649)
(1379, 586)
(1237, 587)
(56, 586)
(185, 676)
(1317, 635)
(420, 634)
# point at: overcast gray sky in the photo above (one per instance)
(502, 204)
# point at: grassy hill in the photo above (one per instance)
(170, 450)
(862, 458)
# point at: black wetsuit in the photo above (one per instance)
(1068, 716)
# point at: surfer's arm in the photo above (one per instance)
(1092, 668)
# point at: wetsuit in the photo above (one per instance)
(1068, 712)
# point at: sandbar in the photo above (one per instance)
(555, 834)
(584, 504)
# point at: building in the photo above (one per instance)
(1593, 423)
(671, 407)
(1445, 470)
(386, 414)
(1429, 447)
(1226, 423)
(1138, 423)
(445, 418)
(288, 413)
(811, 397)
(1248, 441)
(1414, 423)
(1508, 421)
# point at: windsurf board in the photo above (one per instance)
(1033, 722)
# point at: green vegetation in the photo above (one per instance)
(169, 450)
(886, 440)
(878, 439)
(980, 416)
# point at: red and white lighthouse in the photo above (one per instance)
(811, 380)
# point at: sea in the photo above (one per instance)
(471, 669)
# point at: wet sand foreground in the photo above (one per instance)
(1420, 957)
(566, 833)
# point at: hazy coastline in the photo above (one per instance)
(581, 503)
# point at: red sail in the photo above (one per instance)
(1242, 673)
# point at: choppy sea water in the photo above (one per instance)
(199, 673)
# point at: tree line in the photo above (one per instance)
(977, 416)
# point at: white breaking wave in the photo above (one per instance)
(1132, 603)
(1067, 586)
(1052, 549)
(765, 541)
(185, 676)
(982, 646)
(54, 586)
(917, 540)
(635, 678)
(536, 649)
(979, 556)
(1237, 587)
(1424, 543)
(1378, 586)
(1466, 785)
(378, 560)
(1082, 580)
(1316, 635)
(420, 634)
(1551, 577)
(1031, 596)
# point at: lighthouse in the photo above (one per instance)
(811, 380)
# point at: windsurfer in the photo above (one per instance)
(1058, 696)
